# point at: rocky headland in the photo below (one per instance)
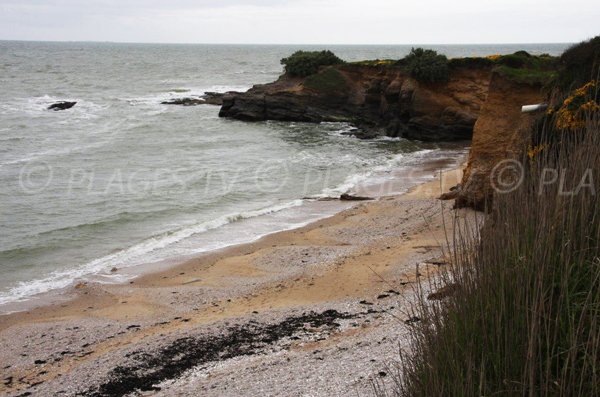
(378, 99)
(478, 99)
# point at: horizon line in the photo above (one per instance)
(278, 44)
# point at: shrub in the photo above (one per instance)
(523, 67)
(305, 63)
(471, 62)
(579, 64)
(516, 60)
(426, 65)
(527, 76)
(328, 81)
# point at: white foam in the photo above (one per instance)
(156, 98)
(131, 255)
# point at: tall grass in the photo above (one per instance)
(525, 320)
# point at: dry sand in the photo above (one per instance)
(238, 321)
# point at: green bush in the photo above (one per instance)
(426, 65)
(329, 80)
(471, 62)
(527, 76)
(580, 64)
(305, 63)
(516, 60)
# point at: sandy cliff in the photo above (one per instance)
(501, 132)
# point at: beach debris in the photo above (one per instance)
(80, 285)
(444, 292)
(144, 370)
(114, 270)
(452, 194)
(442, 261)
(534, 108)
(349, 197)
(412, 320)
(63, 105)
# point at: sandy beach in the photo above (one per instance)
(316, 311)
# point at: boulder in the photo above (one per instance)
(61, 105)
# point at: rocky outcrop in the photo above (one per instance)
(184, 102)
(377, 99)
(209, 98)
(501, 132)
(61, 105)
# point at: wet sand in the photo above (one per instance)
(319, 310)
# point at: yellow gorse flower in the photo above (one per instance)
(533, 151)
(571, 115)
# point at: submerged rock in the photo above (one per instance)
(61, 105)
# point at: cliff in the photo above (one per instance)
(378, 99)
(501, 132)
(481, 100)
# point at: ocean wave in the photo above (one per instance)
(39, 156)
(155, 99)
(37, 107)
(62, 279)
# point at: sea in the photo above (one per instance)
(121, 183)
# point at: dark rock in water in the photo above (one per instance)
(213, 98)
(61, 106)
(184, 102)
(349, 197)
(365, 133)
(209, 98)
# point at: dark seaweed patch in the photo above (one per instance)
(187, 353)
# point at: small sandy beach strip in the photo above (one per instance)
(316, 311)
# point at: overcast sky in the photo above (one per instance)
(301, 21)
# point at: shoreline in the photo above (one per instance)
(319, 267)
(398, 182)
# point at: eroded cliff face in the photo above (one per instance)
(377, 99)
(501, 132)
(475, 103)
